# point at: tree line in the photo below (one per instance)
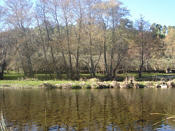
(80, 36)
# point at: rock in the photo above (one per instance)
(114, 84)
(93, 80)
(94, 86)
(172, 84)
(163, 85)
(140, 86)
(59, 86)
(67, 86)
(86, 86)
(131, 85)
(150, 85)
(48, 86)
(103, 85)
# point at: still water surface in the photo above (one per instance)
(89, 110)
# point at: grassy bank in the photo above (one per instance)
(119, 77)
(24, 83)
(14, 79)
(88, 84)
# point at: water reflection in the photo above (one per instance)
(88, 110)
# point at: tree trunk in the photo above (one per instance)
(2, 67)
(30, 67)
(79, 39)
(105, 53)
(29, 62)
(77, 58)
(112, 50)
(142, 58)
(111, 63)
(91, 57)
(140, 71)
(43, 42)
(69, 50)
(141, 65)
(117, 65)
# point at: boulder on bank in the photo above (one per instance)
(132, 85)
(93, 84)
(64, 85)
(162, 85)
(115, 84)
(104, 85)
(172, 84)
(140, 86)
(69, 86)
(48, 86)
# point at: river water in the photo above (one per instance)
(88, 110)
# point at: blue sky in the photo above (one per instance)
(158, 11)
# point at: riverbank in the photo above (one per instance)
(127, 80)
(84, 84)
(28, 83)
(119, 77)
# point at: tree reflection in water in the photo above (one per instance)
(90, 110)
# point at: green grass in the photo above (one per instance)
(18, 79)
(13, 76)
(120, 77)
(24, 83)
(20, 76)
(145, 76)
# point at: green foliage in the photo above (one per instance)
(159, 30)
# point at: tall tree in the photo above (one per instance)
(111, 15)
(66, 8)
(19, 14)
(78, 5)
(141, 41)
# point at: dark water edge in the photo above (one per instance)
(88, 110)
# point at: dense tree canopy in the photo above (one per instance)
(80, 36)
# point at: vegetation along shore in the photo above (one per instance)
(162, 81)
